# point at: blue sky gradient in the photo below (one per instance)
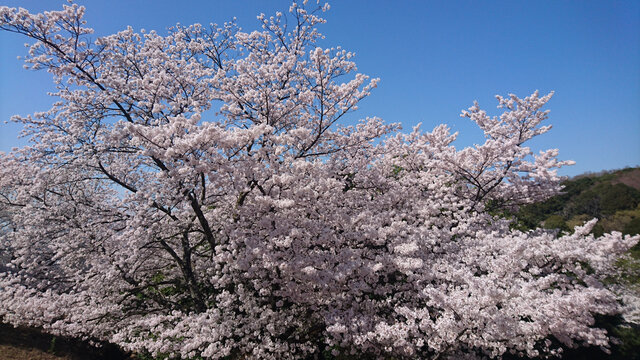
(433, 58)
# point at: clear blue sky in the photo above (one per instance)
(434, 58)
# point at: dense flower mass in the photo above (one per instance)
(194, 195)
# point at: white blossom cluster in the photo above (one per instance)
(194, 195)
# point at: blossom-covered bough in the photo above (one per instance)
(194, 195)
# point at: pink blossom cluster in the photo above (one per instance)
(194, 194)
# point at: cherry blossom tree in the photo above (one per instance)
(194, 194)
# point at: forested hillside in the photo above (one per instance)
(612, 197)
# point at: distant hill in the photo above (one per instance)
(612, 196)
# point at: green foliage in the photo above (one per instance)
(556, 222)
(583, 199)
(604, 199)
(52, 346)
(633, 226)
(629, 337)
(578, 220)
(598, 230)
